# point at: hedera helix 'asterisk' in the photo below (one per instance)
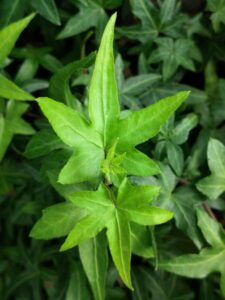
(104, 148)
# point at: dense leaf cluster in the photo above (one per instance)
(99, 147)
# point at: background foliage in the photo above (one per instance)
(161, 47)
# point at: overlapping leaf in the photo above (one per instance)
(209, 260)
(106, 127)
(214, 185)
(115, 214)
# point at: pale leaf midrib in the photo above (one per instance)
(202, 260)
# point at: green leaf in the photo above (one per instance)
(176, 157)
(216, 157)
(142, 125)
(57, 221)
(47, 9)
(148, 215)
(118, 234)
(11, 11)
(211, 229)
(183, 205)
(222, 284)
(13, 124)
(137, 32)
(94, 258)
(214, 185)
(167, 10)
(10, 35)
(90, 15)
(78, 287)
(132, 197)
(181, 52)
(83, 165)
(94, 201)
(85, 229)
(181, 131)
(141, 241)
(103, 96)
(59, 83)
(69, 124)
(197, 265)
(138, 84)
(211, 186)
(144, 10)
(42, 143)
(139, 164)
(10, 90)
(217, 7)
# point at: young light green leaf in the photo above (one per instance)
(131, 196)
(10, 90)
(144, 124)
(94, 258)
(83, 165)
(93, 201)
(118, 234)
(47, 9)
(10, 34)
(139, 164)
(103, 96)
(85, 229)
(57, 221)
(148, 215)
(68, 124)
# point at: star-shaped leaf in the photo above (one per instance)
(105, 210)
(97, 136)
(175, 53)
(91, 14)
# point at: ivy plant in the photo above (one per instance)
(214, 185)
(103, 150)
(209, 260)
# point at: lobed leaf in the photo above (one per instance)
(68, 124)
(142, 125)
(57, 221)
(103, 96)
